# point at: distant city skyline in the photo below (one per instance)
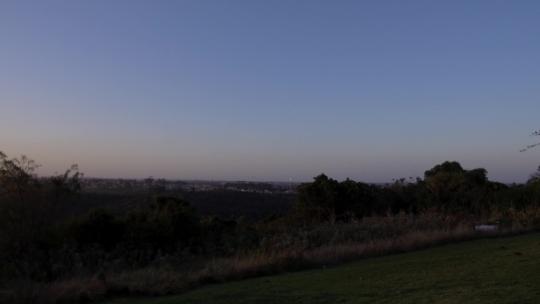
(271, 90)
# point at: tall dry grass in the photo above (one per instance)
(282, 251)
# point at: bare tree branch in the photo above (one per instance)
(535, 133)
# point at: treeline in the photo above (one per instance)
(446, 188)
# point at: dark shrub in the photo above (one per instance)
(169, 224)
(98, 227)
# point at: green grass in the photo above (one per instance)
(502, 270)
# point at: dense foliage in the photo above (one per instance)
(447, 188)
(41, 240)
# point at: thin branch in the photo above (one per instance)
(529, 147)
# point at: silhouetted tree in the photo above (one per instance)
(453, 188)
(328, 199)
(29, 215)
(319, 198)
(17, 177)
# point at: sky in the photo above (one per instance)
(271, 90)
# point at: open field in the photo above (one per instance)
(501, 270)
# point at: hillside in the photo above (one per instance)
(502, 270)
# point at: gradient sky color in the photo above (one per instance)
(270, 90)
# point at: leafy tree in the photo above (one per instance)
(328, 199)
(318, 200)
(355, 197)
(453, 188)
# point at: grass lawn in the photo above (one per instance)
(502, 270)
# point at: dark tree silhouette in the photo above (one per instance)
(17, 176)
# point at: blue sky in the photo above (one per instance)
(270, 90)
